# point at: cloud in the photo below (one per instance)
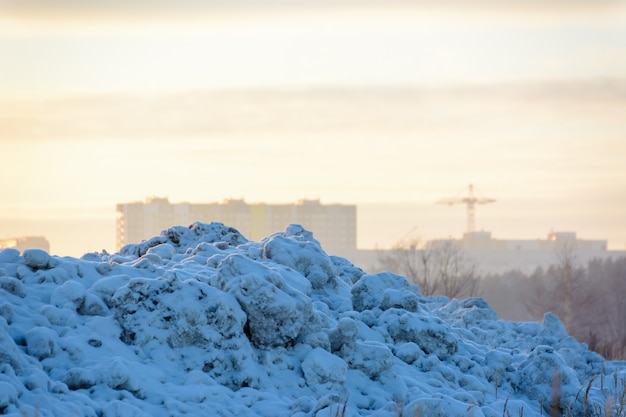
(34, 8)
(379, 110)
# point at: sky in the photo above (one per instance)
(388, 107)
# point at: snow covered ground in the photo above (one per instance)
(200, 321)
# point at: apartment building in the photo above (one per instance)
(334, 225)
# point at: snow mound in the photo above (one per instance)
(201, 321)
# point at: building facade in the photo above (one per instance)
(554, 241)
(500, 255)
(334, 225)
(28, 242)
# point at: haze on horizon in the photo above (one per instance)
(390, 108)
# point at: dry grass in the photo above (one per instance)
(341, 409)
(613, 404)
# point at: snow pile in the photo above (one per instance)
(201, 321)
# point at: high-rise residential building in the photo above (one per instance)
(334, 225)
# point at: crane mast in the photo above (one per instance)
(470, 200)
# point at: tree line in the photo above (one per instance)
(438, 268)
(588, 298)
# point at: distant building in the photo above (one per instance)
(555, 240)
(334, 225)
(498, 255)
(29, 242)
(494, 256)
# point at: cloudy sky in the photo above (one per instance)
(107, 102)
(89, 46)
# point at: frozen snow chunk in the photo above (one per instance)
(369, 290)
(343, 336)
(408, 352)
(146, 262)
(56, 275)
(9, 255)
(137, 250)
(69, 295)
(214, 232)
(10, 354)
(6, 312)
(303, 404)
(213, 261)
(297, 249)
(13, 286)
(36, 379)
(121, 375)
(177, 313)
(93, 256)
(428, 332)
(372, 358)
(470, 311)
(151, 257)
(552, 329)
(329, 405)
(22, 272)
(206, 249)
(92, 306)
(103, 268)
(441, 407)
(59, 316)
(36, 258)
(320, 367)
(41, 342)
(346, 271)
(294, 279)
(583, 361)
(542, 372)
(197, 377)
(316, 339)
(116, 259)
(106, 287)
(187, 237)
(496, 364)
(276, 312)
(477, 309)
(80, 378)
(163, 251)
(8, 395)
(473, 384)
(118, 408)
(399, 299)
(298, 231)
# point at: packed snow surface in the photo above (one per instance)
(200, 321)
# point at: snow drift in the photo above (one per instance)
(201, 321)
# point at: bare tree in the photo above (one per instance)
(539, 294)
(455, 273)
(571, 286)
(440, 268)
(608, 286)
(564, 291)
(589, 299)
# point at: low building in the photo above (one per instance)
(498, 255)
(479, 241)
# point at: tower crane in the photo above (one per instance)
(471, 200)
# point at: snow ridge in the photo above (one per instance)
(201, 321)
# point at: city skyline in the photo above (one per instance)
(388, 225)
